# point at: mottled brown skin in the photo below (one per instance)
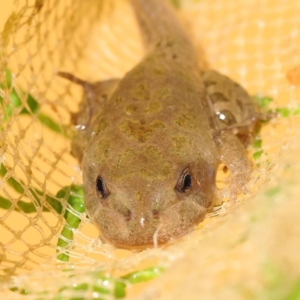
(150, 143)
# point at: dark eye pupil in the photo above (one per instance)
(187, 183)
(184, 183)
(101, 187)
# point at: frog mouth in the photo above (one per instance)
(175, 222)
(157, 241)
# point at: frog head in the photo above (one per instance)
(144, 194)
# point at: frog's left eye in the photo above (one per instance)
(226, 117)
(101, 188)
(184, 183)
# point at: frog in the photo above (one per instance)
(150, 143)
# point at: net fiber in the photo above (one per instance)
(242, 251)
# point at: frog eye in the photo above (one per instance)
(226, 117)
(101, 188)
(184, 183)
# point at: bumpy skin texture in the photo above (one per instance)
(151, 142)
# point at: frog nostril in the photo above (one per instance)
(155, 213)
(127, 215)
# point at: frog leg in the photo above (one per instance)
(248, 129)
(233, 154)
(95, 94)
(245, 132)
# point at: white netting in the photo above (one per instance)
(247, 252)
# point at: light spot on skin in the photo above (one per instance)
(142, 222)
(80, 127)
(135, 129)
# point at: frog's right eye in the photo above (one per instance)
(101, 188)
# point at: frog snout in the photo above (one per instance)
(141, 217)
(142, 228)
(138, 207)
